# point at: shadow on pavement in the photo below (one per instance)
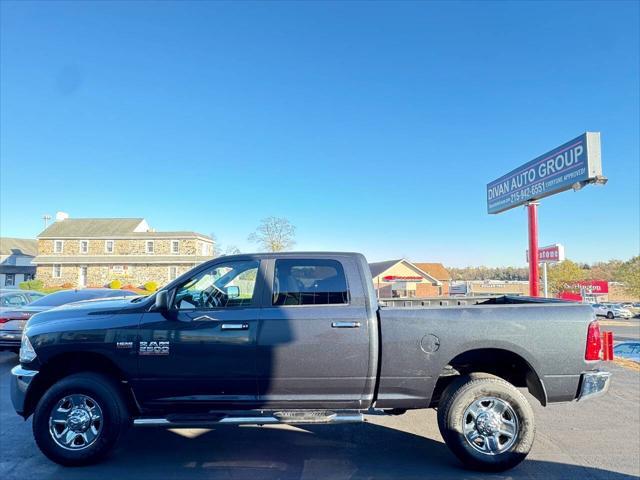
(324, 452)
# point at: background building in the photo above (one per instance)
(403, 279)
(489, 287)
(94, 251)
(16, 256)
(437, 271)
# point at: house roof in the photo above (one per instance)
(436, 270)
(378, 267)
(17, 269)
(18, 246)
(107, 228)
(91, 227)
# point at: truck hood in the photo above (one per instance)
(84, 310)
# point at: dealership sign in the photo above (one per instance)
(593, 287)
(550, 254)
(571, 165)
(589, 287)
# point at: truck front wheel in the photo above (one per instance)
(79, 419)
(486, 422)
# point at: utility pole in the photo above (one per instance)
(46, 217)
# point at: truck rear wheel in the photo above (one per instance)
(486, 422)
(79, 419)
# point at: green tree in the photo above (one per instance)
(563, 276)
(604, 270)
(629, 274)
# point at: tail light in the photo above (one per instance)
(594, 342)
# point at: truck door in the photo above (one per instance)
(201, 351)
(313, 342)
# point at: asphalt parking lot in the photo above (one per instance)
(623, 329)
(599, 439)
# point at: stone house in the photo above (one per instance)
(91, 252)
(16, 257)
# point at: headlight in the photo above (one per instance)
(27, 353)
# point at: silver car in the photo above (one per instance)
(611, 310)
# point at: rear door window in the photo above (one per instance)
(309, 282)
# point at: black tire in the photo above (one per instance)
(114, 419)
(461, 395)
(610, 315)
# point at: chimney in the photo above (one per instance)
(61, 216)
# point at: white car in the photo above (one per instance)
(611, 310)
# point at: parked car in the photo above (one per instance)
(611, 310)
(295, 338)
(629, 350)
(12, 320)
(18, 298)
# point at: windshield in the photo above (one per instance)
(68, 296)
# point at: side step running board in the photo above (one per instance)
(284, 417)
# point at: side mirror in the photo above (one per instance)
(162, 300)
(233, 291)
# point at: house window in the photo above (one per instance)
(9, 280)
(175, 246)
(108, 246)
(84, 246)
(173, 272)
(57, 271)
(149, 246)
(57, 246)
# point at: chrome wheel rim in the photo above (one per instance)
(490, 425)
(75, 422)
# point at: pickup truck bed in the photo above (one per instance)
(299, 338)
(542, 343)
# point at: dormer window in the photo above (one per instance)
(108, 246)
(84, 246)
(175, 246)
(149, 246)
(58, 245)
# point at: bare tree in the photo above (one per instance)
(274, 234)
(220, 250)
(231, 250)
(216, 245)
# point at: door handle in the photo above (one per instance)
(234, 326)
(345, 325)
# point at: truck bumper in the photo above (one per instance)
(21, 378)
(593, 384)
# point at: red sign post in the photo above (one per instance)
(534, 276)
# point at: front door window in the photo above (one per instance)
(226, 285)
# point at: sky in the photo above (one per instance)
(372, 127)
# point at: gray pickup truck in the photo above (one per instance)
(295, 338)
